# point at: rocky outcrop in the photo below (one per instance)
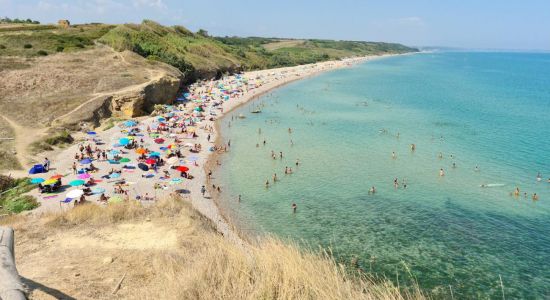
(127, 103)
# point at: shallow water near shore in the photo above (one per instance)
(489, 110)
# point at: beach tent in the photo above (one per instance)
(36, 169)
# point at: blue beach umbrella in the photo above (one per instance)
(86, 161)
(76, 182)
(163, 148)
(124, 141)
(155, 154)
(114, 175)
(161, 119)
(114, 162)
(114, 152)
(91, 133)
(130, 123)
(37, 180)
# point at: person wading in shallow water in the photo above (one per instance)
(294, 207)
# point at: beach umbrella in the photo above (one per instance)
(159, 140)
(115, 199)
(130, 123)
(76, 183)
(114, 175)
(124, 141)
(37, 180)
(50, 181)
(84, 176)
(157, 154)
(143, 167)
(56, 176)
(75, 194)
(151, 161)
(98, 190)
(91, 133)
(86, 161)
(163, 148)
(161, 119)
(124, 160)
(113, 162)
(172, 160)
(141, 151)
(182, 168)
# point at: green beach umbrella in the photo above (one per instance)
(124, 160)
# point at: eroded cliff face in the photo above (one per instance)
(161, 87)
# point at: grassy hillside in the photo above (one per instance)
(200, 56)
(195, 54)
(40, 40)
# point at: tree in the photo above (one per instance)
(202, 32)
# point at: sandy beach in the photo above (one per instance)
(149, 186)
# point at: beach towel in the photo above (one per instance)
(50, 197)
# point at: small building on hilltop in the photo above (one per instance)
(64, 23)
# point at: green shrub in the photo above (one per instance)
(59, 49)
(42, 53)
(27, 46)
(21, 203)
(63, 137)
(2, 47)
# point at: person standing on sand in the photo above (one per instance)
(203, 190)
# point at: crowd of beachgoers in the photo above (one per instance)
(165, 154)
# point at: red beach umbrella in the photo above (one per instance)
(150, 161)
(159, 141)
(182, 168)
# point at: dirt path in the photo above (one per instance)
(24, 136)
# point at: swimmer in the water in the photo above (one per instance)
(393, 155)
(441, 172)
(275, 177)
(516, 192)
(535, 197)
(372, 190)
(539, 177)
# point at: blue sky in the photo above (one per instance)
(505, 24)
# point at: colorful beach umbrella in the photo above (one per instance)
(124, 141)
(76, 183)
(141, 151)
(114, 175)
(130, 123)
(56, 176)
(84, 176)
(182, 168)
(50, 181)
(151, 161)
(157, 154)
(124, 160)
(37, 180)
(75, 194)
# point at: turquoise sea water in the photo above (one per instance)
(490, 110)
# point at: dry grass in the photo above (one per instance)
(283, 44)
(169, 251)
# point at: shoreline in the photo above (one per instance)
(229, 228)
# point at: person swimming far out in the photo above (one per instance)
(393, 155)
(372, 190)
(516, 192)
(275, 179)
(441, 172)
(267, 184)
(413, 147)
